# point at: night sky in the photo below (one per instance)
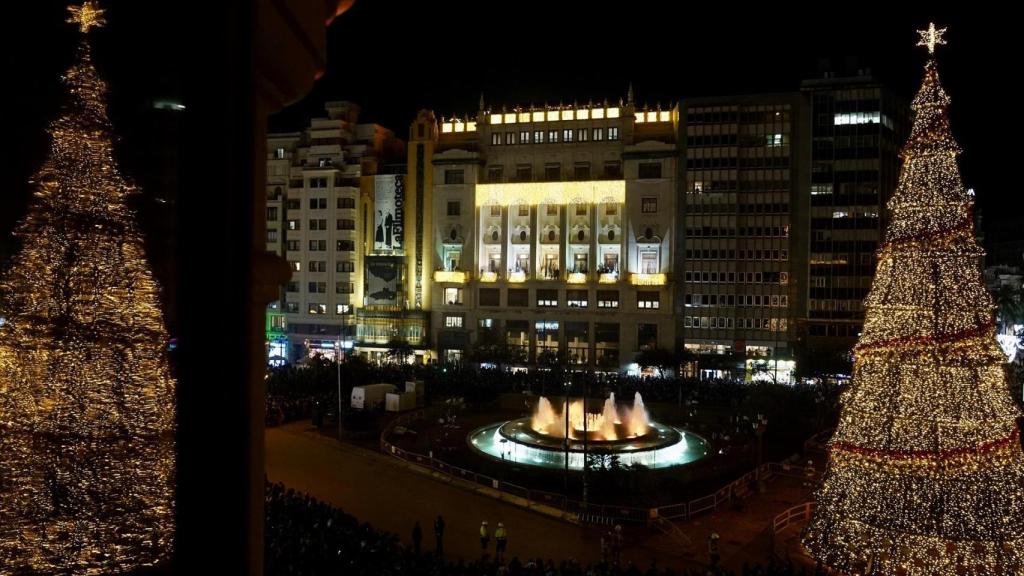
(395, 57)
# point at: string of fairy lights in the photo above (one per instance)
(925, 473)
(86, 395)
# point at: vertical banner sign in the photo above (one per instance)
(388, 200)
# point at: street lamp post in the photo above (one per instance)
(337, 365)
(567, 437)
(760, 424)
(584, 386)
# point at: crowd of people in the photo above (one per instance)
(309, 537)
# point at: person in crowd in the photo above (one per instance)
(417, 537)
(500, 542)
(439, 536)
(485, 538)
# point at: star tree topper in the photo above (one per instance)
(87, 15)
(931, 37)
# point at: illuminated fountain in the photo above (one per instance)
(624, 431)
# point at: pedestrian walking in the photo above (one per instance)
(439, 535)
(485, 538)
(713, 551)
(417, 537)
(500, 542)
(617, 545)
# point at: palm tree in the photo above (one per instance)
(1009, 300)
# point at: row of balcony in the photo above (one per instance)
(519, 276)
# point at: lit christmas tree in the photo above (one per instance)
(926, 473)
(86, 397)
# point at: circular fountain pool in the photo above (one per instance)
(622, 431)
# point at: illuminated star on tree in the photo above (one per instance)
(931, 37)
(87, 15)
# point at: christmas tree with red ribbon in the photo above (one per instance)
(925, 472)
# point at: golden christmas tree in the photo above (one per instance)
(925, 472)
(87, 402)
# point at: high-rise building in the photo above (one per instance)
(741, 243)
(856, 129)
(325, 186)
(553, 234)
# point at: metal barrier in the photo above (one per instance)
(799, 513)
(592, 513)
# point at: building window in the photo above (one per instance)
(524, 137)
(292, 286)
(495, 138)
(318, 287)
(495, 210)
(598, 134)
(581, 171)
(647, 336)
(342, 309)
(346, 224)
(582, 134)
(317, 245)
(346, 245)
(345, 266)
(649, 205)
(318, 183)
(344, 288)
(490, 297)
(538, 136)
(649, 170)
(454, 176)
(318, 203)
(518, 297)
(279, 153)
(318, 224)
(576, 298)
(552, 172)
(607, 298)
(344, 203)
(613, 133)
(295, 224)
(567, 135)
(547, 298)
(294, 245)
(612, 169)
(551, 210)
(453, 296)
(272, 214)
(452, 321)
(317, 308)
(524, 210)
(454, 207)
(553, 136)
(494, 173)
(317, 266)
(292, 307)
(510, 138)
(271, 235)
(648, 300)
(292, 204)
(524, 173)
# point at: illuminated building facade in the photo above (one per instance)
(856, 127)
(743, 247)
(334, 211)
(553, 235)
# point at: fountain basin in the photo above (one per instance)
(546, 439)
